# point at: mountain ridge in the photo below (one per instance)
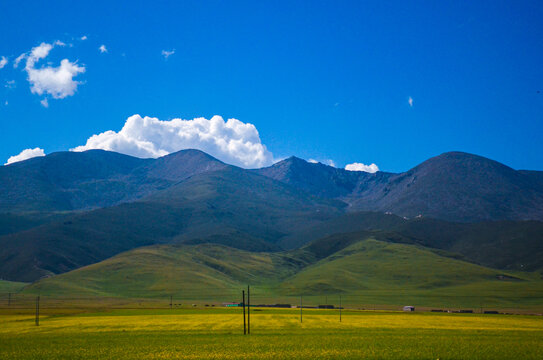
(68, 210)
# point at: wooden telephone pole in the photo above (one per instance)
(243, 303)
(301, 307)
(38, 311)
(339, 308)
(248, 310)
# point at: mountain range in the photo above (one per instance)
(68, 210)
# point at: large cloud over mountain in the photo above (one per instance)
(231, 141)
(25, 155)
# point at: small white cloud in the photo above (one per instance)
(410, 101)
(55, 81)
(167, 53)
(10, 84)
(25, 155)
(3, 62)
(328, 162)
(362, 167)
(84, 37)
(44, 103)
(6, 103)
(232, 141)
(102, 49)
(18, 60)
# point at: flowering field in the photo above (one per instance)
(275, 334)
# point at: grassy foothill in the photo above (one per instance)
(275, 334)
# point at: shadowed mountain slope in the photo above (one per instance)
(315, 178)
(218, 203)
(514, 245)
(454, 186)
(66, 181)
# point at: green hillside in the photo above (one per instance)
(362, 267)
(184, 271)
(11, 286)
(374, 271)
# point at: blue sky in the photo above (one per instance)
(317, 79)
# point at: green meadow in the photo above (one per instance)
(275, 334)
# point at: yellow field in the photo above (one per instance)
(275, 334)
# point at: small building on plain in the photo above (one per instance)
(408, 308)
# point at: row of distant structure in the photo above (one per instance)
(284, 306)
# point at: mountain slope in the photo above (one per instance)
(459, 187)
(514, 245)
(454, 186)
(67, 181)
(249, 202)
(190, 197)
(213, 204)
(315, 178)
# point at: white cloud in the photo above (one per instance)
(39, 52)
(18, 60)
(102, 49)
(10, 84)
(26, 154)
(44, 103)
(84, 37)
(59, 43)
(3, 62)
(362, 167)
(328, 162)
(232, 141)
(55, 81)
(410, 101)
(167, 53)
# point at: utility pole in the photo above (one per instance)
(38, 311)
(339, 308)
(243, 303)
(301, 307)
(171, 302)
(248, 310)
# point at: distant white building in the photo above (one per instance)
(408, 308)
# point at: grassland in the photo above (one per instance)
(275, 334)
